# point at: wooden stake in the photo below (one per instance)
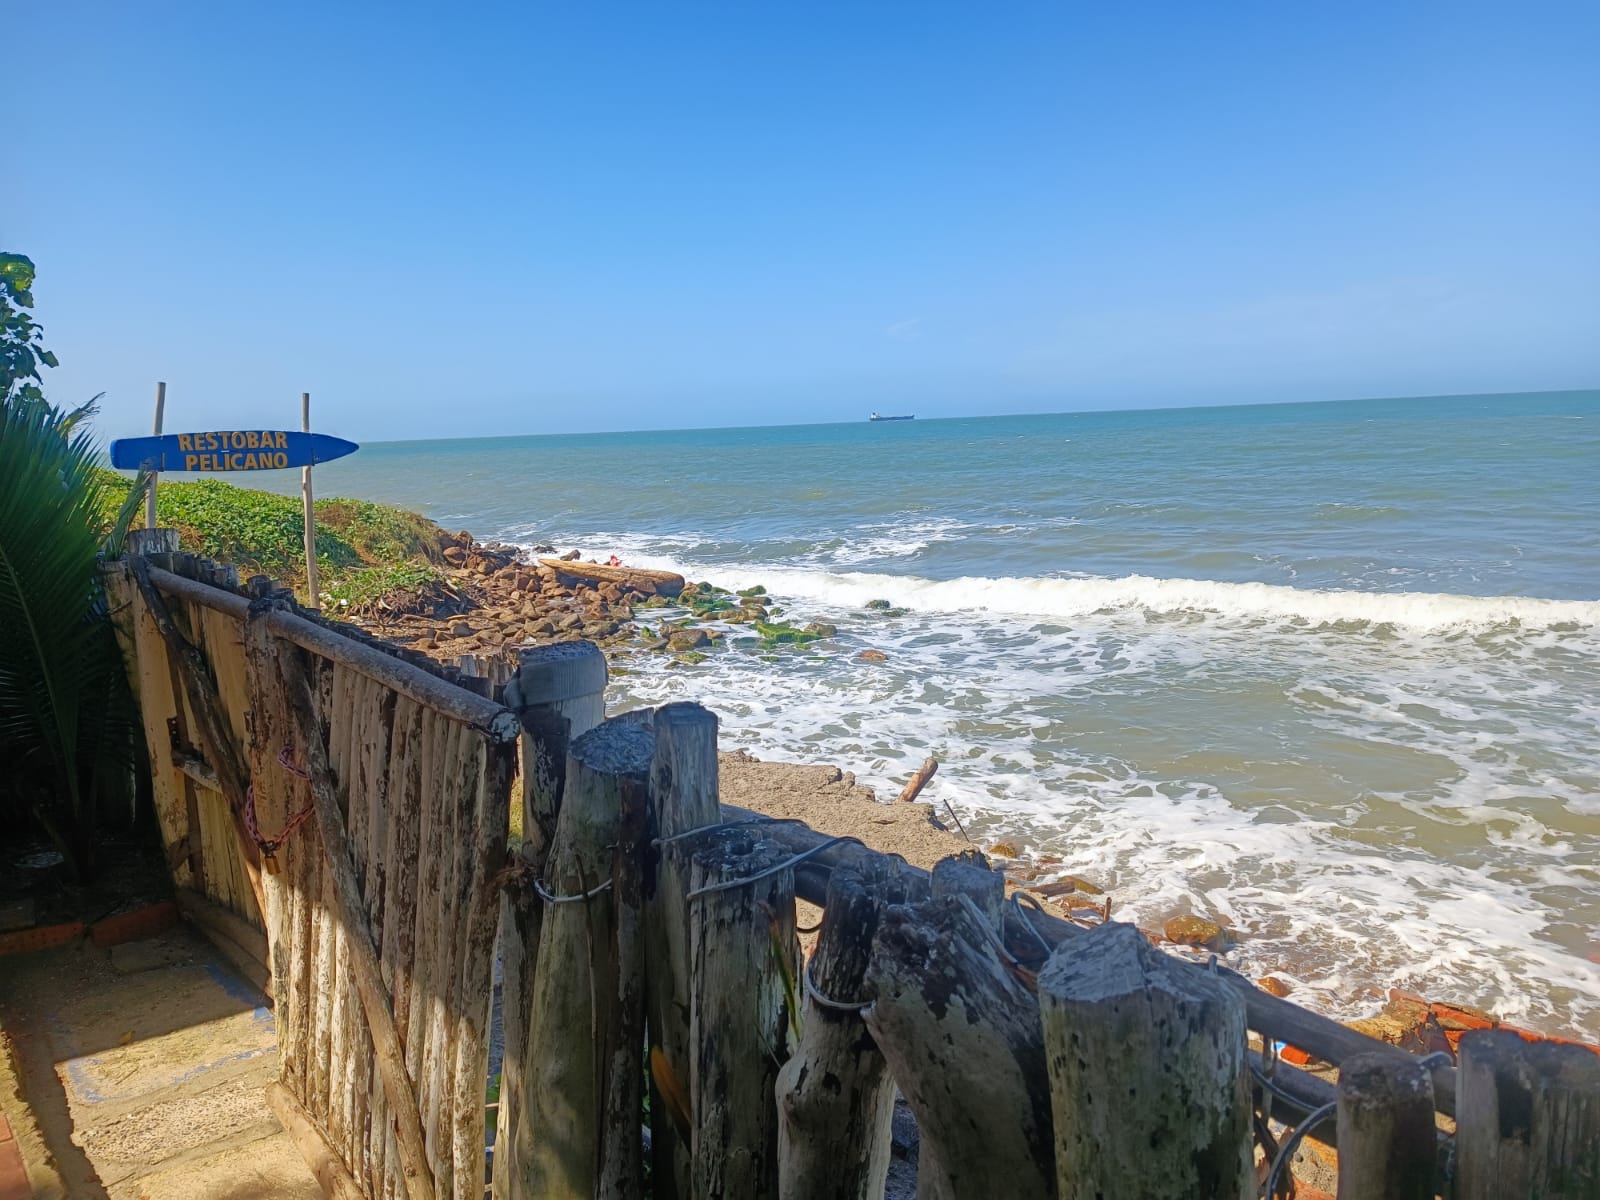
(579, 1034)
(835, 1096)
(961, 1035)
(741, 942)
(1386, 1130)
(313, 584)
(402, 1101)
(558, 695)
(683, 786)
(1527, 1119)
(1147, 1074)
(150, 500)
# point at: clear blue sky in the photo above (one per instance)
(521, 218)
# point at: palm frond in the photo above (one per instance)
(57, 655)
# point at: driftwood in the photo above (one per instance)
(577, 1035)
(1528, 1119)
(835, 1096)
(1279, 1019)
(961, 1035)
(741, 944)
(663, 583)
(558, 695)
(683, 786)
(920, 780)
(1147, 1074)
(1386, 1130)
(401, 1100)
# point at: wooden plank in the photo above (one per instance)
(215, 735)
(1528, 1119)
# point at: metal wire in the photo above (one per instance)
(724, 884)
(550, 898)
(1017, 901)
(1291, 1143)
(852, 1006)
(699, 829)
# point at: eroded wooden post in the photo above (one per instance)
(960, 1030)
(683, 787)
(835, 1096)
(1386, 1130)
(558, 694)
(1147, 1073)
(742, 943)
(1527, 1119)
(585, 1040)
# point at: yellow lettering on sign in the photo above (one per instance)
(189, 461)
(183, 442)
(280, 460)
(211, 441)
(283, 444)
(252, 439)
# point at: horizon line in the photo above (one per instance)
(1069, 412)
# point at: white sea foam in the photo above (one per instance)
(1427, 612)
(1375, 790)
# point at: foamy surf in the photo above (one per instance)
(1047, 597)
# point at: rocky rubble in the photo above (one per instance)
(493, 600)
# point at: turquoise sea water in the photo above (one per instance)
(1329, 672)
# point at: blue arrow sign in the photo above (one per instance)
(228, 450)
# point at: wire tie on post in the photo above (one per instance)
(550, 898)
(852, 1006)
(796, 860)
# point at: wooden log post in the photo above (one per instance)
(1148, 1080)
(744, 958)
(960, 1030)
(835, 1096)
(1282, 1020)
(1387, 1140)
(965, 874)
(558, 695)
(585, 1045)
(1527, 1119)
(683, 789)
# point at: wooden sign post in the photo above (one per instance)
(150, 501)
(236, 450)
(313, 585)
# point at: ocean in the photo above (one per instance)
(1329, 673)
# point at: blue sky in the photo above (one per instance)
(514, 218)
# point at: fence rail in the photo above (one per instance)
(663, 1033)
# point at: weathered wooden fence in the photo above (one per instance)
(663, 1033)
(365, 802)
